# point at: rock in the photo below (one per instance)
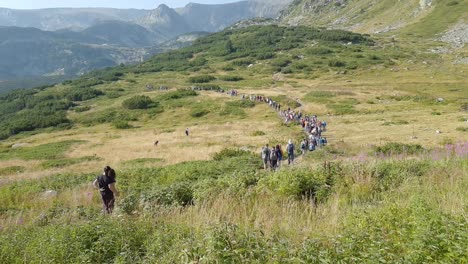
(440, 100)
(438, 132)
(49, 194)
(19, 145)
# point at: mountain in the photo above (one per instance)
(33, 52)
(70, 42)
(124, 34)
(52, 19)
(370, 16)
(167, 21)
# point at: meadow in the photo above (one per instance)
(387, 188)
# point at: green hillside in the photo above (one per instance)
(389, 186)
(424, 18)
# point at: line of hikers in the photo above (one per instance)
(309, 123)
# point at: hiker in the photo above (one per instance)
(156, 143)
(303, 146)
(266, 156)
(290, 150)
(280, 154)
(106, 185)
(273, 158)
(187, 132)
(311, 146)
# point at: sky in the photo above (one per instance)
(139, 4)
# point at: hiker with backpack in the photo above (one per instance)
(266, 156)
(280, 155)
(273, 158)
(303, 146)
(106, 185)
(290, 149)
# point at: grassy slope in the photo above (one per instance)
(371, 16)
(241, 213)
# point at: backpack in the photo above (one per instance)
(303, 145)
(265, 152)
(311, 147)
(274, 155)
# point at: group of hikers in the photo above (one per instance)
(273, 157)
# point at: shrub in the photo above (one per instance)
(201, 79)
(230, 153)
(462, 129)
(336, 63)
(177, 194)
(120, 124)
(82, 94)
(399, 148)
(199, 112)
(319, 51)
(286, 70)
(11, 170)
(82, 109)
(452, 3)
(281, 62)
(242, 62)
(241, 104)
(229, 78)
(265, 55)
(173, 95)
(227, 68)
(258, 133)
(139, 102)
(298, 183)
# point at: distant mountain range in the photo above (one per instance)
(72, 41)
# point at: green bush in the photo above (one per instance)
(230, 153)
(281, 62)
(177, 194)
(120, 124)
(173, 95)
(11, 170)
(258, 133)
(319, 51)
(83, 94)
(82, 109)
(241, 104)
(399, 148)
(229, 78)
(299, 183)
(336, 63)
(201, 79)
(139, 102)
(242, 62)
(199, 112)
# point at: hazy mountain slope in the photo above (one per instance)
(32, 52)
(61, 18)
(215, 17)
(372, 16)
(124, 34)
(167, 21)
